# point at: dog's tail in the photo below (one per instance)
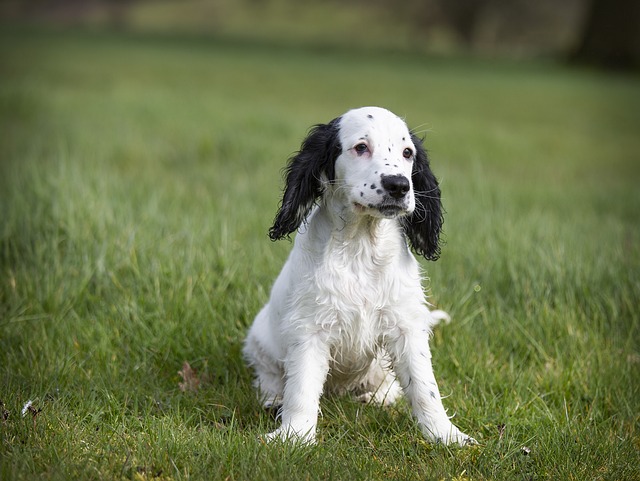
(440, 316)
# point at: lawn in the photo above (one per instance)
(139, 177)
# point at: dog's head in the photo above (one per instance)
(376, 166)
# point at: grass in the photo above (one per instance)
(139, 177)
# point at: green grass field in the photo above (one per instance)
(139, 176)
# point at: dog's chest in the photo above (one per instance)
(355, 291)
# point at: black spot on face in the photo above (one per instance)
(361, 194)
(373, 186)
(379, 191)
(370, 116)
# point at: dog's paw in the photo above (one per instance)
(273, 407)
(289, 435)
(378, 398)
(461, 439)
(365, 398)
(271, 402)
(449, 435)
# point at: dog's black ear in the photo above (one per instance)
(423, 226)
(313, 164)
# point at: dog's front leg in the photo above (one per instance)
(306, 367)
(415, 373)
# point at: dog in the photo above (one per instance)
(348, 314)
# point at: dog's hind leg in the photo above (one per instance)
(269, 385)
(269, 372)
(380, 385)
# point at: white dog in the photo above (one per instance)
(348, 310)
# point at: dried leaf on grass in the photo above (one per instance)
(190, 380)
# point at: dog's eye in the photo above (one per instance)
(361, 149)
(407, 153)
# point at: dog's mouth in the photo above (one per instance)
(387, 210)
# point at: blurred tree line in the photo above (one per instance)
(605, 33)
(601, 32)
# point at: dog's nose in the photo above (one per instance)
(396, 185)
